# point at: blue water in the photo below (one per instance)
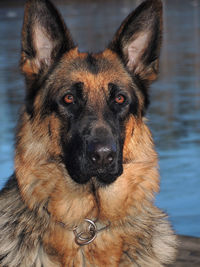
(174, 115)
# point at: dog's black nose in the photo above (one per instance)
(102, 155)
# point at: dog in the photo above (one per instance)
(86, 171)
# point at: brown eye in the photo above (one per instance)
(68, 99)
(120, 99)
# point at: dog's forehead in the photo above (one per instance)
(95, 71)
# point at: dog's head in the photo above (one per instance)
(86, 101)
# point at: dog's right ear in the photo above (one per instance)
(45, 37)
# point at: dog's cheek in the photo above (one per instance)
(53, 133)
(74, 158)
(129, 131)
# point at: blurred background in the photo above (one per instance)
(174, 114)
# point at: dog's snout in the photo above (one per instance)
(101, 155)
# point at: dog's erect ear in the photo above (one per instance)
(44, 37)
(138, 40)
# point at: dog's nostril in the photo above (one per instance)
(110, 159)
(94, 158)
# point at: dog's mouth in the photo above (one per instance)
(106, 178)
(100, 176)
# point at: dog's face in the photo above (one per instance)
(93, 104)
(91, 97)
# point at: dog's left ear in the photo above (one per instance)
(138, 40)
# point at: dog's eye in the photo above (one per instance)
(69, 99)
(120, 99)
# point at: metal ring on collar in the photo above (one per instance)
(85, 238)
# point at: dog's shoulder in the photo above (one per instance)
(12, 213)
(18, 223)
(9, 200)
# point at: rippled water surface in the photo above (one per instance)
(174, 115)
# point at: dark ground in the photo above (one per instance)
(189, 252)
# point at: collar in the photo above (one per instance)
(88, 235)
(86, 232)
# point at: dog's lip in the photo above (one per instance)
(109, 177)
(102, 173)
(104, 180)
(101, 178)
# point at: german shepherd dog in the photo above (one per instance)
(82, 193)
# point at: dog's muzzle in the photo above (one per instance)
(102, 158)
(96, 155)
